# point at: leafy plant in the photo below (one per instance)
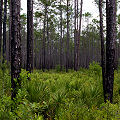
(59, 96)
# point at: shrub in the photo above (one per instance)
(95, 68)
(59, 96)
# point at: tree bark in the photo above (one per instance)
(10, 21)
(1, 9)
(75, 39)
(60, 37)
(4, 29)
(102, 45)
(110, 47)
(30, 35)
(78, 43)
(44, 41)
(48, 45)
(77, 35)
(68, 37)
(15, 47)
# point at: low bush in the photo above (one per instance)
(60, 96)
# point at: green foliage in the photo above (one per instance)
(107, 111)
(58, 69)
(95, 68)
(5, 108)
(60, 96)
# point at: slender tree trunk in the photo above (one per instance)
(75, 41)
(61, 36)
(44, 41)
(77, 35)
(119, 46)
(48, 44)
(10, 21)
(4, 29)
(4, 38)
(77, 14)
(1, 8)
(30, 35)
(51, 45)
(102, 45)
(35, 59)
(78, 45)
(68, 37)
(110, 47)
(15, 47)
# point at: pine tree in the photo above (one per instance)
(29, 35)
(15, 47)
(1, 7)
(44, 39)
(110, 47)
(4, 29)
(68, 38)
(102, 44)
(61, 35)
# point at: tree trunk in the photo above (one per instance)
(30, 35)
(102, 45)
(44, 41)
(48, 44)
(119, 47)
(15, 47)
(10, 21)
(110, 47)
(68, 37)
(4, 29)
(78, 45)
(1, 8)
(61, 36)
(75, 40)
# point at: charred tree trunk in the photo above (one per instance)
(1, 8)
(30, 35)
(15, 47)
(102, 45)
(4, 29)
(110, 47)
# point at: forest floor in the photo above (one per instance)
(55, 95)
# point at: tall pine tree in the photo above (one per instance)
(4, 29)
(1, 7)
(102, 44)
(29, 35)
(110, 47)
(15, 46)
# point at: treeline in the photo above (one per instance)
(52, 47)
(54, 41)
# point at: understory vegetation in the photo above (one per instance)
(55, 95)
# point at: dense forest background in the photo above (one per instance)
(50, 35)
(48, 27)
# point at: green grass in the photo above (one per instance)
(55, 95)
